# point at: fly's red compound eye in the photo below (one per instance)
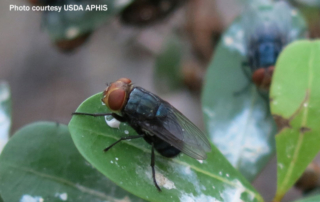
(116, 99)
(116, 94)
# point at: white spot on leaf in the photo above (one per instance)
(200, 161)
(62, 196)
(164, 182)
(234, 193)
(200, 198)
(113, 123)
(28, 198)
(161, 179)
(228, 41)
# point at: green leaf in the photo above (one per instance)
(128, 164)
(71, 24)
(5, 113)
(167, 74)
(236, 115)
(41, 163)
(296, 107)
(311, 3)
(310, 199)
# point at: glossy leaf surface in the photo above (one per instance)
(41, 163)
(237, 116)
(296, 106)
(128, 163)
(5, 113)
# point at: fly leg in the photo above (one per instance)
(89, 114)
(123, 138)
(152, 167)
(116, 116)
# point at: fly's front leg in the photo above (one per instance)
(114, 115)
(91, 114)
(119, 118)
(123, 138)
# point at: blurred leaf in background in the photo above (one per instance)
(310, 199)
(310, 3)
(5, 113)
(167, 72)
(41, 163)
(311, 13)
(187, 51)
(240, 124)
(128, 163)
(69, 29)
(296, 107)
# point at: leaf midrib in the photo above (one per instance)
(288, 175)
(252, 102)
(258, 197)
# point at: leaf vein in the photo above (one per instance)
(64, 181)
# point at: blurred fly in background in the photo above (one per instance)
(264, 48)
(266, 34)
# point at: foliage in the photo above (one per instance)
(41, 163)
(295, 106)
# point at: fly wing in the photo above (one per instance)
(173, 127)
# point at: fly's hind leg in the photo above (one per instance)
(152, 167)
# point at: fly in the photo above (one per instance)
(264, 47)
(166, 129)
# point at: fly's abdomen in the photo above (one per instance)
(162, 147)
(141, 104)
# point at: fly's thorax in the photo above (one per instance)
(116, 94)
(264, 50)
(141, 104)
